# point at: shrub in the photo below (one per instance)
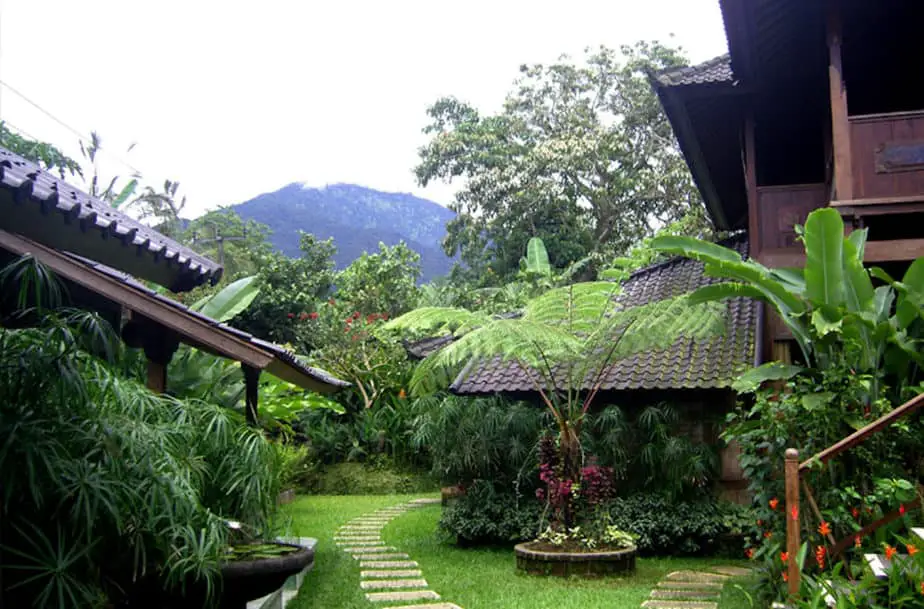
(486, 515)
(666, 527)
(376, 478)
(298, 470)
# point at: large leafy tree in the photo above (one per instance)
(241, 245)
(581, 155)
(381, 283)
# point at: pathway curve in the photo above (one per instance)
(692, 589)
(388, 576)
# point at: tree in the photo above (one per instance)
(564, 343)
(581, 156)
(46, 155)
(241, 246)
(382, 283)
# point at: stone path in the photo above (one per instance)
(387, 575)
(692, 589)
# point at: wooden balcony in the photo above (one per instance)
(887, 158)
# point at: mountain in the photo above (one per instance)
(357, 218)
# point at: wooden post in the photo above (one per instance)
(792, 519)
(251, 393)
(157, 376)
(159, 346)
(840, 124)
(750, 173)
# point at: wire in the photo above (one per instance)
(79, 135)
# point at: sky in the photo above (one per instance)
(233, 99)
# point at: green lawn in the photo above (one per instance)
(471, 578)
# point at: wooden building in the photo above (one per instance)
(818, 103)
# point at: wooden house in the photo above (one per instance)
(818, 103)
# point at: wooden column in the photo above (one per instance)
(792, 519)
(251, 393)
(840, 125)
(750, 177)
(159, 346)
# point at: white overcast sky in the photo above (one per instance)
(233, 99)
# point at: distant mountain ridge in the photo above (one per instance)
(357, 218)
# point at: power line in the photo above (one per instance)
(79, 135)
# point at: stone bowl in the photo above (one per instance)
(535, 561)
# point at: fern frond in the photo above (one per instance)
(579, 307)
(437, 320)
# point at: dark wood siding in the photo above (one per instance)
(888, 155)
(782, 207)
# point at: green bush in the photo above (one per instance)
(375, 478)
(666, 527)
(486, 515)
(298, 470)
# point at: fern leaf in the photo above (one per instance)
(437, 320)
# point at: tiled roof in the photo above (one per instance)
(715, 70)
(46, 209)
(687, 364)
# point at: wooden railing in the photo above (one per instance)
(795, 484)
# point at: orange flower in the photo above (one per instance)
(749, 553)
(912, 550)
(857, 542)
(889, 552)
(824, 528)
(786, 577)
(402, 394)
(784, 556)
(768, 534)
(855, 512)
(773, 503)
(794, 512)
(922, 587)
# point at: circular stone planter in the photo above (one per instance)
(581, 564)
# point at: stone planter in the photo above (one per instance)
(286, 496)
(581, 564)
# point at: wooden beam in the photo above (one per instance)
(878, 201)
(178, 320)
(895, 249)
(157, 376)
(750, 178)
(840, 123)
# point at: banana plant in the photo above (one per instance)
(829, 303)
(230, 301)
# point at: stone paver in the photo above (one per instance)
(369, 550)
(666, 604)
(416, 595)
(380, 584)
(388, 564)
(426, 501)
(382, 556)
(733, 571)
(368, 543)
(391, 573)
(690, 594)
(691, 585)
(696, 576)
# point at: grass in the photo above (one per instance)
(479, 578)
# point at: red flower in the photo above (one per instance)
(313, 315)
(290, 315)
(794, 512)
(912, 550)
(857, 542)
(760, 523)
(824, 528)
(889, 552)
(355, 314)
(768, 534)
(922, 587)
(303, 316)
(855, 512)
(749, 553)
(901, 509)
(773, 503)
(784, 557)
(785, 576)
(820, 553)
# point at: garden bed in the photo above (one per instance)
(539, 558)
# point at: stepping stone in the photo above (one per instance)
(388, 564)
(429, 606)
(394, 573)
(691, 585)
(695, 576)
(361, 527)
(392, 583)
(415, 595)
(372, 550)
(691, 594)
(359, 542)
(426, 501)
(383, 556)
(667, 604)
(733, 571)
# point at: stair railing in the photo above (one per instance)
(793, 471)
